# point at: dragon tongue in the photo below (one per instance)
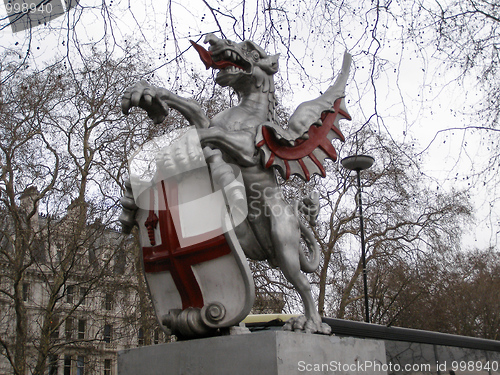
(206, 57)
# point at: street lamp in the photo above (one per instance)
(358, 163)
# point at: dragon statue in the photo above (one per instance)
(248, 135)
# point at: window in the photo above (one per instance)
(108, 333)
(39, 253)
(54, 327)
(80, 365)
(70, 291)
(156, 336)
(120, 262)
(26, 292)
(92, 257)
(69, 328)
(83, 295)
(140, 337)
(81, 329)
(53, 367)
(52, 290)
(67, 365)
(108, 302)
(107, 367)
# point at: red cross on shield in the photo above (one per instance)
(191, 256)
(171, 257)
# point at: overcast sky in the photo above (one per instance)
(415, 96)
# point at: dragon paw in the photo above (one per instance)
(307, 325)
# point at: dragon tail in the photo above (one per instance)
(311, 263)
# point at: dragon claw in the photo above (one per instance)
(307, 325)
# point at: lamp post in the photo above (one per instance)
(358, 163)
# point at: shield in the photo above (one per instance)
(196, 271)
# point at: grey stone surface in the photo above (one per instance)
(261, 353)
(408, 358)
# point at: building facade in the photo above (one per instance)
(72, 291)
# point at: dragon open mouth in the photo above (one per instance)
(227, 60)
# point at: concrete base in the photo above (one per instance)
(263, 353)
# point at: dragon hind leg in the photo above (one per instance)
(285, 236)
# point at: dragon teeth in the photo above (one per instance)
(228, 55)
(233, 69)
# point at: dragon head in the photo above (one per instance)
(239, 64)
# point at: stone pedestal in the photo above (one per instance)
(260, 353)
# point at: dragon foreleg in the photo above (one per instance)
(190, 109)
(237, 144)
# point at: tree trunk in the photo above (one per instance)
(21, 329)
(348, 289)
(145, 307)
(322, 282)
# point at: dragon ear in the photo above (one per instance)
(270, 64)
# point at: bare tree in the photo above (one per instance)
(407, 218)
(446, 292)
(63, 155)
(404, 216)
(466, 35)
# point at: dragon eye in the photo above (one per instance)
(255, 55)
